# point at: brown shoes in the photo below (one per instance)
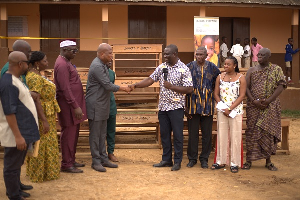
(71, 170)
(112, 157)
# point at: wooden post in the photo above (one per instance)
(202, 12)
(295, 36)
(105, 23)
(3, 24)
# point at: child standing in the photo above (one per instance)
(247, 53)
(229, 93)
(288, 59)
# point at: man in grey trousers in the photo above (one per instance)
(97, 103)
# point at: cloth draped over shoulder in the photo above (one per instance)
(264, 126)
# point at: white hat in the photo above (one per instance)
(66, 43)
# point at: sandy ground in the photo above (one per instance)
(137, 179)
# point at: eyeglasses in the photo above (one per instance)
(72, 50)
(25, 61)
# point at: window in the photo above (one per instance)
(17, 26)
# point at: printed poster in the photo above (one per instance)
(206, 34)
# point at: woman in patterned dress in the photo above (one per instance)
(230, 91)
(46, 165)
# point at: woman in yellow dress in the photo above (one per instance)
(46, 165)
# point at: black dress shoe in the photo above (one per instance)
(163, 164)
(204, 165)
(176, 167)
(22, 193)
(76, 164)
(25, 187)
(191, 163)
(72, 170)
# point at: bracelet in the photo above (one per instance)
(229, 109)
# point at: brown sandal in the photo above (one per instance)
(271, 167)
(246, 166)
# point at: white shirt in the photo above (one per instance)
(224, 50)
(247, 48)
(237, 50)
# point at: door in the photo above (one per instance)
(58, 21)
(147, 22)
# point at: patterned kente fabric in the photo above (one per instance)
(46, 166)
(201, 100)
(263, 126)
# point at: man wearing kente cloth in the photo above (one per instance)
(70, 97)
(265, 83)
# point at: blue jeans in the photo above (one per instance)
(171, 121)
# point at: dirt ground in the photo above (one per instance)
(137, 179)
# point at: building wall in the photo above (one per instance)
(32, 12)
(118, 24)
(272, 27)
(90, 26)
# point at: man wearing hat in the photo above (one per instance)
(70, 97)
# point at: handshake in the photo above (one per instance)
(127, 89)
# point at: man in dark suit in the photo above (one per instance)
(98, 105)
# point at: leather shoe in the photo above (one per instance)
(25, 187)
(72, 170)
(112, 157)
(191, 163)
(22, 193)
(109, 164)
(204, 165)
(76, 164)
(176, 167)
(99, 168)
(163, 164)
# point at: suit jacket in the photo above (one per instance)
(98, 90)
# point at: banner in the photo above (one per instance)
(206, 34)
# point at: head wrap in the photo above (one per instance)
(66, 43)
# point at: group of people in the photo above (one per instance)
(30, 102)
(244, 55)
(203, 84)
(29, 106)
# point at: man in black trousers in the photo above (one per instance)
(200, 107)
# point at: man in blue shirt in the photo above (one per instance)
(288, 58)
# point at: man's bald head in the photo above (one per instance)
(23, 46)
(104, 53)
(265, 51)
(103, 47)
(17, 63)
(16, 56)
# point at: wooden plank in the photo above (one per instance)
(136, 119)
(137, 146)
(128, 81)
(137, 48)
(136, 72)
